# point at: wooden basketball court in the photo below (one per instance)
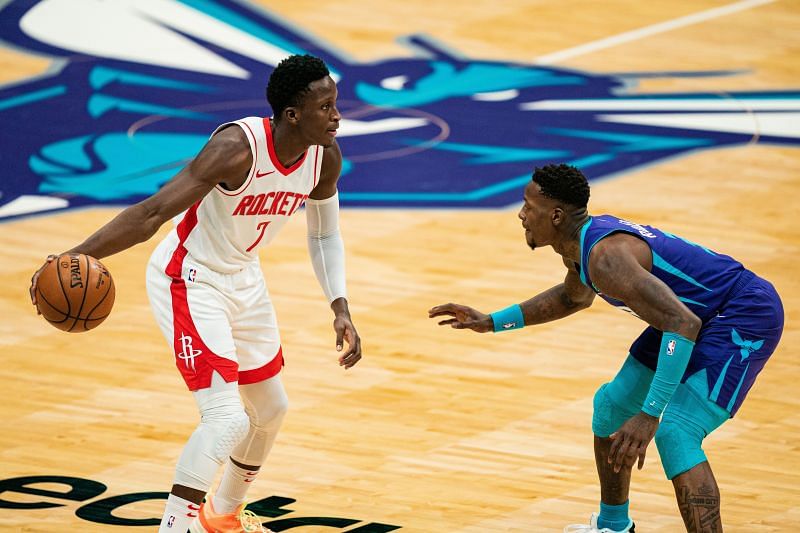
(436, 430)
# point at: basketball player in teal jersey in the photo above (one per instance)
(712, 326)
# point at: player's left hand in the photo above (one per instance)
(630, 441)
(346, 331)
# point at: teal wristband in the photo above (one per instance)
(673, 358)
(509, 318)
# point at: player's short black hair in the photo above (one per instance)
(564, 183)
(290, 79)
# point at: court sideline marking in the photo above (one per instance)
(661, 27)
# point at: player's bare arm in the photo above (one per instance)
(342, 323)
(557, 302)
(329, 174)
(226, 158)
(620, 267)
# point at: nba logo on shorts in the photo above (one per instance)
(671, 347)
(191, 275)
(170, 521)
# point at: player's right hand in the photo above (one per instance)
(35, 280)
(462, 317)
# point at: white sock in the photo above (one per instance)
(232, 488)
(178, 515)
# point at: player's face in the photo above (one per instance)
(536, 217)
(319, 117)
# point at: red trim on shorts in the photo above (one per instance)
(195, 361)
(271, 149)
(256, 375)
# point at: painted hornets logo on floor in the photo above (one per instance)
(135, 88)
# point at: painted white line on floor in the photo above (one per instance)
(647, 31)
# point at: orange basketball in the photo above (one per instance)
(75, 292)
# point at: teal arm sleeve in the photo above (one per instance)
(509, 318)
(673, 357)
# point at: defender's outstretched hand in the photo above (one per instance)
(462, 317)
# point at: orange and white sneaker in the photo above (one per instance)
(239, 521)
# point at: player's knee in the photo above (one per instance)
(221, 428)
(267, 404)
(680, 447)
(228, 432)
(223, 424)
(609, 412)
(270, 414)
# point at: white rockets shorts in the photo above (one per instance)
(215, 322)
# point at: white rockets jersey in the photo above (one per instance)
(224, 230)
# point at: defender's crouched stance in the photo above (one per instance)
(712, 326)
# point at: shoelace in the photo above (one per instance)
(250, 521)
(583, 528)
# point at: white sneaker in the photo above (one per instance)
(592, 527)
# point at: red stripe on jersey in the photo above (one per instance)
(195, 361)
(246, 377)
(241, 188)
(185, 227)
(271, 148)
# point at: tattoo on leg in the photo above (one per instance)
(700, 511)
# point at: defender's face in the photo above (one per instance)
(318, 116)
(535, 215)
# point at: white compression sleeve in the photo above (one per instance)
(325, 245)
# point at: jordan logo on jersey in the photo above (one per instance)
(188, 354)
(272, 203)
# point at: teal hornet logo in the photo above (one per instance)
(135, 88)
(746, 347)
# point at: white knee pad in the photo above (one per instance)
(266, 403)
(223, 425)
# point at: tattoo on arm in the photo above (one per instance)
(550, 305)
(567, 301)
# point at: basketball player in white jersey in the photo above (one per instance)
(208, 293)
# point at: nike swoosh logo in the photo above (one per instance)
(260, 174)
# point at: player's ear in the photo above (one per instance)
(557, 216)
(291, 114)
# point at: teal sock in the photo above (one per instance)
(613, 517)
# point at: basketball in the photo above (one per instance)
(75, 292)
